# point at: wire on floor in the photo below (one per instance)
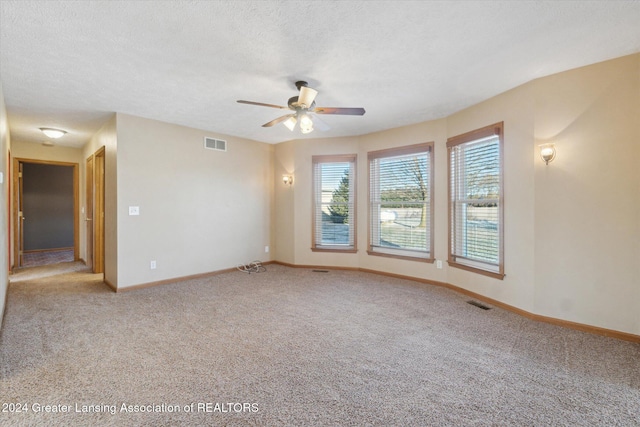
(252, 267)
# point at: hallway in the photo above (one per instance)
(33, 259)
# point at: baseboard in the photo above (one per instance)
(4, 308)
(33, 251)
(537, 317)
(324, 267)
(169, 281)
(113, 287)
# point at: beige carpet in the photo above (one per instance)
(297, 347)
(32, 259)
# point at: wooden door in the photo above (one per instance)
(89, 212)
(21, 218)
(9, 224)
(98, 253)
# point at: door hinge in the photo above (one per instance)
(19, 174)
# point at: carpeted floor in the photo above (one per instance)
(32, 259)
(296, 347)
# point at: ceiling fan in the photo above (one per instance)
(303, 106)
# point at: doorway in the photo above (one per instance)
(45, 210)
(94, 213)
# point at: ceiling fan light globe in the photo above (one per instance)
(305, 120)
(306, 124)
(290, 123)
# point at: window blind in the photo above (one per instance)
(475, 191)
(400, 202)
(334, 202)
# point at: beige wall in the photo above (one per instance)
(200, 210)
(515, 109)
(433, 131)
(587, 216)
(302, 207)
(572, 228)
(283, 238)
(5, 146)
(37, 151)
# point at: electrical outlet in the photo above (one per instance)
(266, 249)
(438, 263)
(153, 264)
(134, 210)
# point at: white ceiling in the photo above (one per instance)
(71, 64)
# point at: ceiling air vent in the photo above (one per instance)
(215, 144)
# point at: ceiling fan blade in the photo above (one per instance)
(307, 95)
(278, 120)
(337, 110)
(320, 124)
(263, 104)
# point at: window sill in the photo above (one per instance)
(405, 257)
(334, 249)
(499, 276)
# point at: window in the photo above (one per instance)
(334, 207)
(400, 211)
(476, 201)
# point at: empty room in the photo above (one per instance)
(288, 213)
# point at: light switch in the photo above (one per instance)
(134, 210)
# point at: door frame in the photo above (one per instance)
(89, 212)
(95, 206)
(17, 249)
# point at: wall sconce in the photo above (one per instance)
(287, 179)
(53, 133)
(547, 152)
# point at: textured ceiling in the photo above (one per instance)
(71, 64)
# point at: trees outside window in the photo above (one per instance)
(476, 201)
(334, 207)
(400, 205)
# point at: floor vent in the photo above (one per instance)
(479, 305)
(215, 144)
(320, 271)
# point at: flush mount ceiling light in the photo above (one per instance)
(304, 107)
(53, 133)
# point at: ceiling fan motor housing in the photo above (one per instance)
(295, 105)
(301, 105)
